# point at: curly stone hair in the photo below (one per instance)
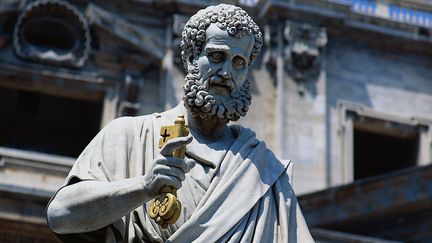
(227, 17)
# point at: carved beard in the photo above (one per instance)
(205, 105)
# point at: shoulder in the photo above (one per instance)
(126, 123)
(244, 132)
(240, 130)
(122, 129)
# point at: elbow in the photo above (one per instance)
(56, 217)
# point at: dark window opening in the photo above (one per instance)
(45, 123)
(376, 153)
(28, 102)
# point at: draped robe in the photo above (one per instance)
(237, 192)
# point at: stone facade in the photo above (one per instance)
(396, 86)
(329, 69)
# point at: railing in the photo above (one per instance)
(377, 9)
(410, 16)
(365, 7)
(389, 11)
(249, 3)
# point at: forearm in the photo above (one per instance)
(90, 205)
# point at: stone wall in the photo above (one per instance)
(397, 85)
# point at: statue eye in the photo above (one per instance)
(239, 62)
(216, 56)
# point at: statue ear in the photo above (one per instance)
(189, 60)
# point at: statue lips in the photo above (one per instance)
(217, 89)
(221, 86)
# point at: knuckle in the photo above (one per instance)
(160, 159)
(185, 167)
(185, 170)
(163, 180)
(156, 171)
(159, 170)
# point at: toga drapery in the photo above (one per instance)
(241, 194)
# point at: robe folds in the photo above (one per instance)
(238, 191)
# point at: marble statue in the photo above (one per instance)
(231, 187)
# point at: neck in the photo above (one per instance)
(209, 129)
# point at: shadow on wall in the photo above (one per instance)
(351, 68)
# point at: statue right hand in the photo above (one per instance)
(168, 170)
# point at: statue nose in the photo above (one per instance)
(225, 75)
(225, 71)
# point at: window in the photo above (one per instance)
(46, 123)
(378, 153)
(376, 143)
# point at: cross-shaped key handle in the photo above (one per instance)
(165, 135)
(179, 129)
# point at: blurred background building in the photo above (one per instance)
(343, 88)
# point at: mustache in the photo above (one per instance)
(229, 83)
(218, 80)
(201, 87)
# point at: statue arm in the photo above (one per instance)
(97, 199)
(90, 205)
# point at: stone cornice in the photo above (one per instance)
(34, 160)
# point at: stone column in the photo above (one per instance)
(167, 69)
(303, 104)
(110, 103)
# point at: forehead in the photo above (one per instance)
(220, 39)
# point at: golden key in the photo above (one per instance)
(165, 208)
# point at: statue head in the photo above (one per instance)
(219, 44)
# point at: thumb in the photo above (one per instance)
(174, 144)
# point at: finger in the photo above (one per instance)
(165, 180)
(175, 162)
(175, 143)
(191, 163)
(170, 171)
